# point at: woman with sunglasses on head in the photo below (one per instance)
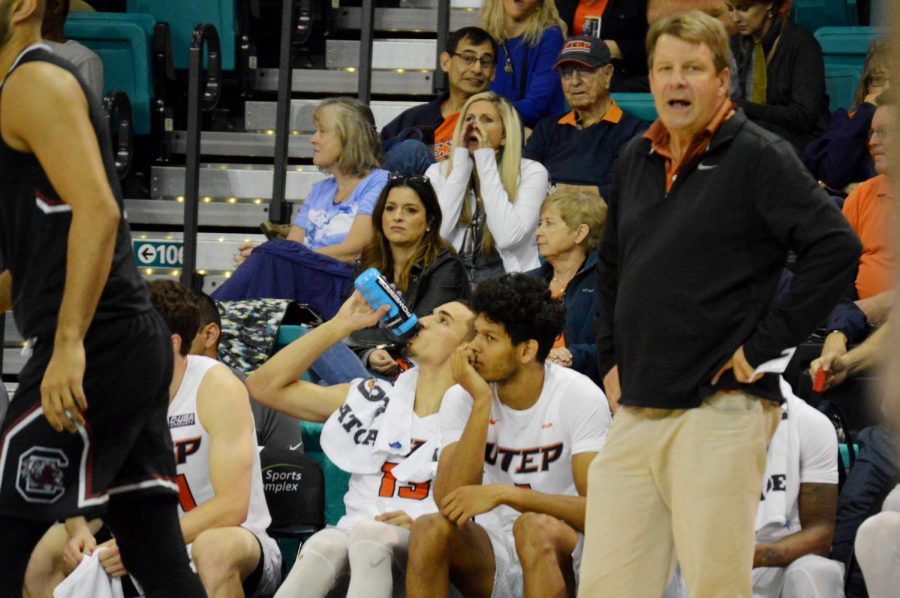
(408, 250)
(567, 238)
(490, 195)
(529, 35)
(841, 156)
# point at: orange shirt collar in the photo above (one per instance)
(659, 135)
(613, 115)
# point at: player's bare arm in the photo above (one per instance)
(276, 385)
(33, 91)
(224, 412)
(469, 501)
(5, 291)
(818, 507)
(462, 463)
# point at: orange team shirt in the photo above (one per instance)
(659, 137)
(870, 210)
(594, 9)
(443, 137)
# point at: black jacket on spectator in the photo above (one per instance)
(625, 22)
(581, 314)
(841, 156)
(444, 280)
(425, 117)
(686, 277)
(796, 103)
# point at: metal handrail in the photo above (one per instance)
(439, 82)
(366, 40)
(117, 102)
(205, 35)
(279, 209)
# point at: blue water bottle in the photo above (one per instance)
(399, 320)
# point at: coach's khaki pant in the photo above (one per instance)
(677, 481)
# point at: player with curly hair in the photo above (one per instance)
(517, 437)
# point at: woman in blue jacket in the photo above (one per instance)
(568, 233)
(529, 35)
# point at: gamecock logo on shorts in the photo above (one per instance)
(40, 477)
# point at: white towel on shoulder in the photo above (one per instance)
(781, 483)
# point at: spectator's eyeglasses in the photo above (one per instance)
(487, 62)
(882, 132)
(405, 178)
(584, 73)
(879, 80)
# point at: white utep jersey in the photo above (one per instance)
(533, 448)
(369, 495)
(191, 443)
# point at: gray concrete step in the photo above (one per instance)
(414, 20)
(260, 116)
(234, 181)
(344, 81)
(387, 54)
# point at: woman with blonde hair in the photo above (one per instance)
(567, 238)
(529, 35)
(490, 196)
(336, 217)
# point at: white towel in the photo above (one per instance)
(781, 483)
(89, 580)
(373, 424)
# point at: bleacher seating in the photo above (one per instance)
(813, 14)
(184, 16)
(637, 104)
(844, 50)
(123, 42)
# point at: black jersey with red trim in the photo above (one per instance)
(34, 229)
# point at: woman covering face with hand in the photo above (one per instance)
(490, 196)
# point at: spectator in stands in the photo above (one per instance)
(408, 249)
(490, 210)
(841, 156)
(714, 8)
(272, 428)
(89, 65)
(529, 34)
(336, 218)
(468, 62)
(570, 227)
(580, 148)
(870, 209)
(222, 506)
(795, 517)
(622, 25)
(781, 72)
(704, 208)
(517, 438)
(387, 436)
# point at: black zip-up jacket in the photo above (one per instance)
(687, 277)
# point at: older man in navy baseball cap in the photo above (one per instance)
(580, 148)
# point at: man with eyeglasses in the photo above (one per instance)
(469, 62)
(580, 148)
(870, 209)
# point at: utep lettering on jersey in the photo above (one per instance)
(371, 392)
(527, 460)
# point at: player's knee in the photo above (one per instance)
(213, 556)
(372, 531)
(435, 531)
(330, 545)
(876, 533)
(536, 536)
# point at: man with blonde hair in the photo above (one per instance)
(703, 210)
